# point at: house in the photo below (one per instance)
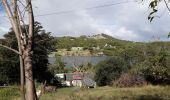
(77, 49)
(77, 79)
(61, 76)
(68, 79)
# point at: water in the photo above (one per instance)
(79, 60)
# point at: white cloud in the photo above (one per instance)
(3, 31)
(124, 21)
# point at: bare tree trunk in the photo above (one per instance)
(25, 46)
(22, 78)
(14, 22)
(18, 35)
(30, 95)
(30, 86)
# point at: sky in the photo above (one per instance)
(122, 19)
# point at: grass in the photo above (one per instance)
(100, 93)
(9, 93)
(110, 93)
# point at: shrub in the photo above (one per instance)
(154, 71)
(129, 80)
(109, 70)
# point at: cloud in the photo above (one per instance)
(4, 24)
(2, 31)
(127, 21)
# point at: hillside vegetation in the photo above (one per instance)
(104, 43)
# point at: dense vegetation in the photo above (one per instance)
(9, 61)
(149, 60)
(107, 44)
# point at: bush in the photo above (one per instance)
(154, 71)
(109, 70)
(129, 80)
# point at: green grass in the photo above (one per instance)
(9, 93)
(110, 93)
(100, 93)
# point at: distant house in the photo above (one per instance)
(68, 79)
(100, 53)
(77, 79)
(77, 49)
(96, 48)
(61, 76)
(109, 46)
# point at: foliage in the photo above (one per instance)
(88, 67)
(109, 70)
(88, 43)
(44, 43)
(155, 68)
(57, 67)
(154, 5)
(9, 62)
(129, 80)
(150, 60)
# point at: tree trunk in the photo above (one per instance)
(30, 92)
(25, 48)
(14, 22)
(22, 78)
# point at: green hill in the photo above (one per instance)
(105, 43)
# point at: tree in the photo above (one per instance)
(25, 42)
(57, 67)
(154, 4)
(109, 70)
(9, 62)
(44, 44)
(155, 68)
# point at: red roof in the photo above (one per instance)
(77, 76)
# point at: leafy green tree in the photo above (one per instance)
(57, 67)
(9, 62)
(43, 45)
(109, 70)
(155, 68)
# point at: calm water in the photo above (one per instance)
(79, 60)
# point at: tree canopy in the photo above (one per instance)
(43, 45)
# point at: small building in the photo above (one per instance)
(77, 49)
(68, 79)
(76, 79)
(61, 76)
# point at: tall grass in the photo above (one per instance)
(110, 93)
(9, 93)
(100, 93)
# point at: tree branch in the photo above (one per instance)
(31, 21)
(9, 48)
(167, 5)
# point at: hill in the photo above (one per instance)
(102, 43)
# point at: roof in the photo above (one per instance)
(88, 81)
(68, 76)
